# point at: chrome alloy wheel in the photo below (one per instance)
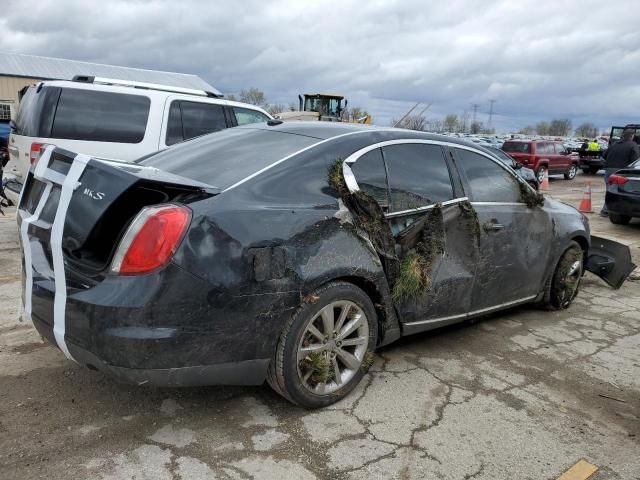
(332, 347)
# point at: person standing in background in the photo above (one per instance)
(622, 153)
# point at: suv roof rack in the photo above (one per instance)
(144, 85)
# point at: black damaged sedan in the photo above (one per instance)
(287, 253)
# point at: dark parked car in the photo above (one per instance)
(623, 194)
(286, 252)
(525, 173)
(543, 156)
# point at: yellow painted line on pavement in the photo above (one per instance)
(580, 471)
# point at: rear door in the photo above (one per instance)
(423, 206)
(187, 119)
(514, 238)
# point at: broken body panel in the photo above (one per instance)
(254, 251)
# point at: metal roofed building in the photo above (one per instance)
(18, 70)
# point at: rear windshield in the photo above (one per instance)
(101, 116)
(516, 147)
(74, 114)
(223, 158)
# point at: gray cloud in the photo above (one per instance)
(576, 59)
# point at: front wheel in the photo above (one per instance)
(619, 219)
(323, 349)
(571, 173)
(563, 286)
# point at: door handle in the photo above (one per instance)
(492, 227)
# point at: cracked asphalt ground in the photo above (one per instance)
(519, 395)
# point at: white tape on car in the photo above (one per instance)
(24, 227)
(60, 300)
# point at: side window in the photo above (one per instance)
(488, 181)
(245, 116)
(174, 125)
(197, 119)
(100, 116)
(418, 175)
(371, 176)
(559, 148)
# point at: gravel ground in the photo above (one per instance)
(523, 394)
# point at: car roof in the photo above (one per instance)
(328, 130)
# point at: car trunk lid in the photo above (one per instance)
(92, 201)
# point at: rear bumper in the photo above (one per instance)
(247, 372)
(586, 162)
(160, 329)
(623, 203)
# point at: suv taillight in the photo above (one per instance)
(151, 239)
(617, 180)
(34, 152)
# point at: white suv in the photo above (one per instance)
(113, 119)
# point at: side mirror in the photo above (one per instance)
(12, 125)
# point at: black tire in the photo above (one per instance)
(284, 376)
(563, 286)
(594, 170)
(619, 219)
(571, 173)
(587, 171)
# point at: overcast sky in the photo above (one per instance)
(538, 59)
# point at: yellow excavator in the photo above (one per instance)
(323, 107)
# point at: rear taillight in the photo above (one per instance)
(34, 152)
(617, 180)
(151, 239)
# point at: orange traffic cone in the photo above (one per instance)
(544, 185)
(585, 203)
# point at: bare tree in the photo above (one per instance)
(232, 97)
(542, 128)
(476, 127)
(528, 130)
(411, 122)
(253, 96)
(451, 122)
(560, 127)
(275, 108)
(587, 130)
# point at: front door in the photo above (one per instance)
(513, 237)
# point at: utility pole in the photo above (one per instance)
(475, 111)
(491, 102)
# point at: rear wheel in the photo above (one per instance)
(322, 352)
(619, 219)
(593, 170)
(571, 173)
(564, 284)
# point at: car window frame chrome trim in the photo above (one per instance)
(473, 313)
(352, 184)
